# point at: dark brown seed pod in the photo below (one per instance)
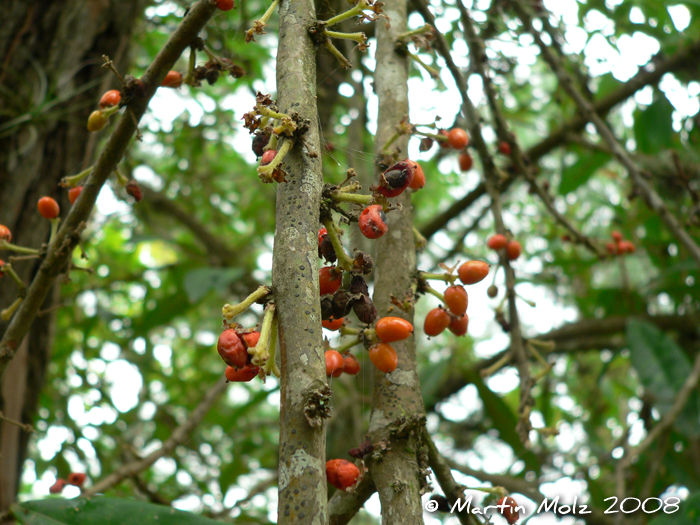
(133, 189)
(212, 76)
(365, 310)
(260, 140)
(362, 264)
(200, 73)
(425, 144)
(358, 285)
(342, 303)
(326, 307)
(326, 250)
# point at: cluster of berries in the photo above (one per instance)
(499, 242)
(74, 478)
(620, 246)
(233, 347)
(337, 363)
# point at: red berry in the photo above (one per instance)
(57, 487)
(509, 506)
(334, 362)
(74, 193)
(497, 242)
(48, 208)
(268, 157)
(373, 222)
(321, 233)
(465, 162)
(396, 179)
(172, 80)
(5, 233)
(110, 99)
(626, 247)
(251, 339)
(333, 325)
(418, 176)
(504, 148)
(225, 5)
(444, 143)
(456, 299)
(133, 189)
(513, 250)
(471, 272)
(341, 473)
(76, 478)
(458, 325)
(242, 375)
(458, 138)
(2, 264)
(351, 365)
(231, 349)
(329, 279)
(616, 235)
(384, 357)
(390, 329)
(436, 321)
(96, 121)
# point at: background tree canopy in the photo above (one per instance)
(578, 375)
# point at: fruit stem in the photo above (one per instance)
(261, 352)
(448, 278)
(108, 112)
(434, 136)
(348, 345)
(344, 62)
(271, 365)
(362, 4)
(391, 140)
(360, 38)
(110, 65)
(351, 197)
(7, 268)
(4, 245)
(189, 78)
(420, 241)
(267, 112)
(421, 30)
(547, 345)
(7, 313)
(265, 172)
(231, 311)
(269, 12)
(121, 178)
(434, 292)
(350, 188)
(344, 260)
(54, 228)
(533, 304)
(487, 372)
(72, 182)
(431, 71)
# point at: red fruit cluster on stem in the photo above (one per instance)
(620, 246)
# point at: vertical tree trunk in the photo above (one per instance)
(305, 395)
(397, 411)
(50, 81)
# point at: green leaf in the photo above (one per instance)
(662, 368)
(689, 513)
(653, 127)
(201, 281)
(102, 511)
(578, 173)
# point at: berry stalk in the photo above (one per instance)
(7, 313)
(271, 365)
(344, 260)
(360, 38)
(73, 181)
(348, 345)
(4, 245)
(230, 311)
(361, 5)
(351, 197)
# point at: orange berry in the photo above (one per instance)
(5, 233)
(497, 242)
(172, 80)
(504, 148)
(471, 272)
(57, 487)
(458, 325)
(251, 339)
(110, 99)
(384, 357)
(513, 250)
(268, 157)
(334, 362)
(509, 509)
(390, 329)
(456, 299)
(225, 5)
(74, 193)
(48, 208)
(465, 162)
(436, 321)
(76, 478)
(241, 375)
(333, 325)
(418, 176)
(231, 349)
(458, 138)
(626, 247)
(341, 473)
(616, 235)
(351, 365)
(329, 279)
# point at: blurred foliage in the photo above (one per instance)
(147, 320)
